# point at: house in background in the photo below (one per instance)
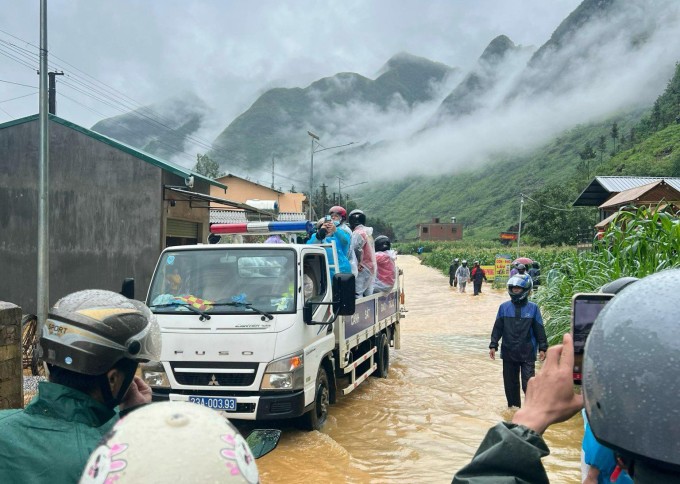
(603, 188)
(658, 193)
(437, 230)
(112, 209)
(282, 206)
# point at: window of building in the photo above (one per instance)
(425, 230)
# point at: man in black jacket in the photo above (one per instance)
(520, 325)
(452, 273)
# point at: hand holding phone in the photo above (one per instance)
(585, 308)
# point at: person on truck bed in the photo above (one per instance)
(385, 259)
(92, 343)
(326, 232)
(363, 247)
(339, 217)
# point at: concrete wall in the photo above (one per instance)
(11, 379)
(105, 215)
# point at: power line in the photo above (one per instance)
(18, 97)
(18, 84)
(8, 114)
(116, 99)
(548, 206)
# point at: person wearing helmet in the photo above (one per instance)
(190, 443)
(453, 282)
(513, 271)
(385, 259)
(535, 274)
(339, 217)
(552, 274)
(462, 275)
(363, 247)
(630, 389)
(521, 268)
(599, 463)
(91, 344)
(327, 232)
(520, 325)
(477, 276)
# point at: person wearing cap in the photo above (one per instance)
(520, 325)
(172, 442)
(630, 390)
(91, 344)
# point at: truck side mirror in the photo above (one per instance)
(344, 301)
(128, 288)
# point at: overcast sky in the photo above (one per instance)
(229, 52)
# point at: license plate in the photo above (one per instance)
(218, 403)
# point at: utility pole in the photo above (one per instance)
(272, 172)
(323, 198)
(52, 92)
(519, 228)
(43, 296)
(311, 173)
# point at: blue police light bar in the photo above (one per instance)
(263, 227)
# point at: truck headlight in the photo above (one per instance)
(285, 374)
(154, 375)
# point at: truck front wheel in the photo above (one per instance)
(316, 417)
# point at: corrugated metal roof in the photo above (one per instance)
(602, 187)
(621, 183)
(162, 164)
(239, 217)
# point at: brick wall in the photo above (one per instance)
(11, 387)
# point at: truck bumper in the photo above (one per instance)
(255, 407)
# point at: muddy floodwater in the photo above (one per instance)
(425, 420)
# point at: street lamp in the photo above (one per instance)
(311, 171)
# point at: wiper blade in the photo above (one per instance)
(204, 316)
(247, 306)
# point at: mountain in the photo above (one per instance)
(160, 129)
(276, 123)
(475, 88)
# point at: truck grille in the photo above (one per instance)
(214, 375)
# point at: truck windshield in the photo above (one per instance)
(225, 281)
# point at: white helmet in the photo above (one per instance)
(172, 442)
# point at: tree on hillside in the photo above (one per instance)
(551, 219)
(615, 134)
(632, 136)
(206, 166)
(601, 146)
(586, 155)
(380, 227)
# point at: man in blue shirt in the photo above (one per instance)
(520, 325)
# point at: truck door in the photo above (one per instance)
(315, 282)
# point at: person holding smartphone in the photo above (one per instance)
(520, 325)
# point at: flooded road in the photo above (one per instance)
(425, 420)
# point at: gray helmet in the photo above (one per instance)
(631, 380)
(615, 286)
(89, 331)
(456, 259)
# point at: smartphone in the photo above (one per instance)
(328, 218)
(584, 310)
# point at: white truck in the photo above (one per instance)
(261, 331)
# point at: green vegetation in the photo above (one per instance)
(206, 166)
(637, 243)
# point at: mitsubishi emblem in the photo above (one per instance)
(213, 381)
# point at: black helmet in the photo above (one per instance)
(89, 331)
(535, 265)
(523, 281)
(521, 268)
(356, 217)
(630, 380)
(382, 243)
(615, 286)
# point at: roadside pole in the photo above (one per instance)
(43, 298)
